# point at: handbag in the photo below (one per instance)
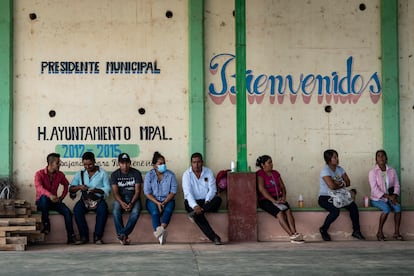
(340, 198)
(90, 200)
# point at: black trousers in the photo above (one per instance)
(201, 219)
(334, 213)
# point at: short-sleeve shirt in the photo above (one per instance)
(271, 183)
(126, 182)
(336, 176)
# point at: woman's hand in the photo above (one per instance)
(393, 198)
(160, 207)
(339, 184)
(282, 200)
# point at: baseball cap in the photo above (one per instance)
(124, 157)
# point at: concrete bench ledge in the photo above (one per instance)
(181, 230)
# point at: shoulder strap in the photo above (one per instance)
(83, 183)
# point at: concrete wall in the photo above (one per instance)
(288, 42)
(297, 40)
(147, 109)
(406, 19)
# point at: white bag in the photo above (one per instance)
(340, 198)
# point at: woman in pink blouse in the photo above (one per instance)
(272, 197)
(385, 190)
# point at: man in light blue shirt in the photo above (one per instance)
(199, 187)
(93, 182)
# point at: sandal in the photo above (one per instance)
(398, 237)
(381, 237)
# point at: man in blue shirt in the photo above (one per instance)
(126, 187)
(199, 187)
(93, 182)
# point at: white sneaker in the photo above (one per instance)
(296, 237)
(297, 241)
(158, 232)
(163, 237)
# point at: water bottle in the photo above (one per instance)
(300, 201)
(233, 166)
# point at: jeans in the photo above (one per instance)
(101, 216)
(201, 219)
(157, 217)
(117, 212)
(334, 213)
(44, 204)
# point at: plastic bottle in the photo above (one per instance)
(366, 201)
(300, 201)
(233, 166)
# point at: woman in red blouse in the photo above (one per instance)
(272, 197)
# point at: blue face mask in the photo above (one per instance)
(162, 168)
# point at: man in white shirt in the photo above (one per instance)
(199, 187)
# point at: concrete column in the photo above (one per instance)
(242, 206)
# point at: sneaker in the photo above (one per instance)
(121, 239)
(83, 240)
(99, 241)
(217, 241)
(126, 241)
(163, 237)
(46, 228)
(296, 237)
(297, 241)
(325, 235)
(358, 235)
(72, 240)
(158, 232)
(191, 216)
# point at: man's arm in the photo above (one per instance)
(76, 184)
(212, 188)
(187, 190)
(103, 187)
(40, 190)
(65, 183)
(137, 193)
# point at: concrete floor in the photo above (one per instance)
(257, 258)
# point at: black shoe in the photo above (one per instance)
(72, 240)
(97, 240)
(217, 241)
(46, 228)
(358, 235)
(325, 235)
(83, 240)
(191, 216)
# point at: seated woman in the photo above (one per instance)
(160, 187)
(385, 189)
(272, 197)
(334, 177)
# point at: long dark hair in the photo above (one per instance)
(261, 160)
(327, 155)
(156, 156)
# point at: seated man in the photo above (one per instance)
(199, 187)
(126, 187)
(93, 182)
(47, 182)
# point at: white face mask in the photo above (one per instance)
(161, 168)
